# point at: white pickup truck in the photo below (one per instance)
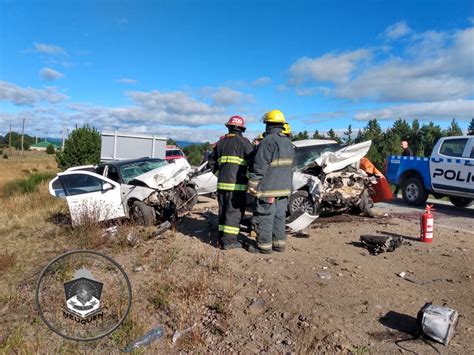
(449, 171)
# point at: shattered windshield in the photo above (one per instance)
(132, 170)
(305, 155)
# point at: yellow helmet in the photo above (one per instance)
(274, 116)
(286, 129)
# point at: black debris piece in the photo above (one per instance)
(377, 244)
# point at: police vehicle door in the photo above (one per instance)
(452, 168)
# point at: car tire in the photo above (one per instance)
(299, 200)
(413, 191)
(461, 201)
(142, 214)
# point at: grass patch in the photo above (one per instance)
(14, 343)
(26, 186)
(161, 296)
(217, 307)
(129, 331)
(6, 261)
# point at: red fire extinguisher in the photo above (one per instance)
(426, 225)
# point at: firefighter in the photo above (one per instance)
(257, 140)
(228, 161)
(287, 130)
(270, 183)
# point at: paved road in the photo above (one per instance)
(446, 215)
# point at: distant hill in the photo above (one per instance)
(184, 144)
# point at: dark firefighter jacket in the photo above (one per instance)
(229, 161)
(271, 171)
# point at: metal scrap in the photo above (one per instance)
(377, 244)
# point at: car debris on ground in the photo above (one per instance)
(146, 339)
(437, 323)
(377, 244)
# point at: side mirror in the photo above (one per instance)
(106, 186)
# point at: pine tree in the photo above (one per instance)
(373, 132)
(470, 129)
(332, 135)
(430, 133)
(348, 135)
(402, 129)
(300, 136)
(415, 137)
(316, 135)
(454, 129)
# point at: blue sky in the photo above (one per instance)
(181, 68)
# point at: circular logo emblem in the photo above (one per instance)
(83, 295)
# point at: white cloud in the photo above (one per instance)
(28, 96)
(330, 67)
(440, 110)
(49, 74)
(262, 81)
(446, 74)
(48, 49)
(225, 96)
(126, 81)
(396, 31)
(433, 66)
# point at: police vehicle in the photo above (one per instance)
(449, 171)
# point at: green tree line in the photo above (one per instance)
(16, 140)
(421, 138)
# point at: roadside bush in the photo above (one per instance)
(50, 149)
(5, 156)
(194, 152)
(81, 148)
(25, 186)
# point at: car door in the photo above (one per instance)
(91, 197)
(206, 181)
(452, 168)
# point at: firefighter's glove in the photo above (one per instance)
(252, 191)
(252, 187)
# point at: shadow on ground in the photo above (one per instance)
(400, 322)
(203, 229)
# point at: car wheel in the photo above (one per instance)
(300, 201)
(413, 191)
(461, 201)
(142, 214)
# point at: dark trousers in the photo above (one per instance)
(231, 211)
(269, 223)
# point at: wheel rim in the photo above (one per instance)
(412, 192)
(302, 203)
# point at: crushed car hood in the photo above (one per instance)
(333, 161)
(166, 176)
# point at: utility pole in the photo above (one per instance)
(10, 142)
(22, 135)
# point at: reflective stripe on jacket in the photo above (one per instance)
(271, 172)
(229, 161)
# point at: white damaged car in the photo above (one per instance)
(326, 179)
(331, 182)
(148, 190)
